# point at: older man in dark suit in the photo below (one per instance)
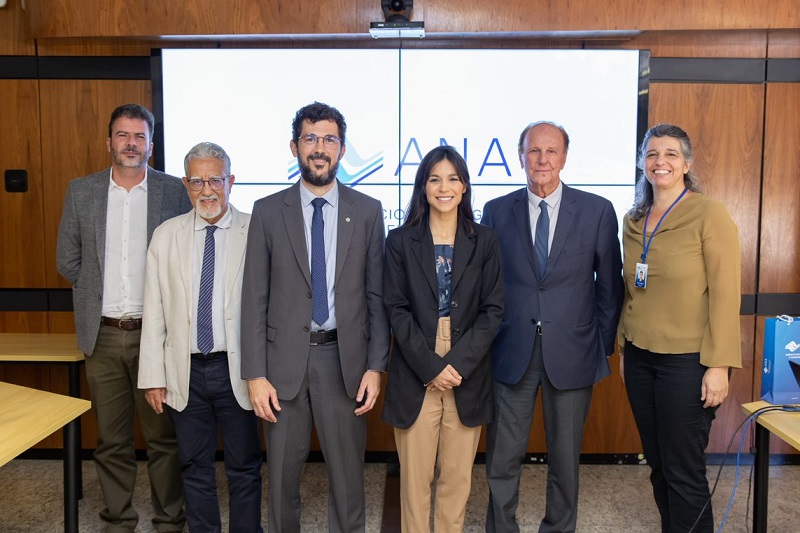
(107, 222)
(562, 270)
(315, 334)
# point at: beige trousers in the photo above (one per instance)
(436, 432)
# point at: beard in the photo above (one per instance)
(121, 160)
(209, 210)
(318, 180)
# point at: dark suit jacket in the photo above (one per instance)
(276, 291)
(80, 251)
(578, 300)
(411, 294)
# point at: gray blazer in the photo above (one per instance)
(80, 251)
(276, 291)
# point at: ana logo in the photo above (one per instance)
(792, 346)
(353, 169)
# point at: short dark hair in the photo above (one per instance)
(532, 125)
(133, 111)
(314, 113)
(419, 209)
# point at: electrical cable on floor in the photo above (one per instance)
(743, 426)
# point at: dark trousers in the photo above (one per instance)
(507, 436)
(664, 391)
(323, 402)
(112, 372)
(212, 405)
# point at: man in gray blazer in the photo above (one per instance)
(562, 272)
(315, 334)
(189, 359)
(101, 250)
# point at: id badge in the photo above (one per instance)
(641, 276)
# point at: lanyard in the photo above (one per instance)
(647, 242)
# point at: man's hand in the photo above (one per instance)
(368, 391)
(264, 398)
(715, 386)
(446, 380)
(156, 398)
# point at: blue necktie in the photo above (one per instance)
(205, 327)
(319, 285)
(542, 238)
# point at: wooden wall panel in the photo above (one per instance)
(75, 116)
(725, 123)
(60, 18)
(740, 44)
(23, 322)
(780, 214)
(784, 43)
(14, 35)
(22, 245)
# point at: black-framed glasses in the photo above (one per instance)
(329, 141)
(197, 184)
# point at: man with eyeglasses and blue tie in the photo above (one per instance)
(315, 334)
(190, 359)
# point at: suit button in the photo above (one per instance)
(541, 289)
(456, 331)
(309, 295)
(305, 328)
(533, 321)
(453, 304)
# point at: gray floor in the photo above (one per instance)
(613, 498)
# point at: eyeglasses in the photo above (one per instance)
(329, 141)
(197, 184)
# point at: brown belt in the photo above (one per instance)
(127, 324)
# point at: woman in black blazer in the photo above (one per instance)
(443, 292)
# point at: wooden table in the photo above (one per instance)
(29, 415)
(785, 425)
(53, 348)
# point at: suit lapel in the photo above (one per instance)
(422, 248)
(523, 221)
(295, 229)
(345, 228)
(100, 210)
(184, 242)
(237, 241)
(464, 248)
(566, 216)
(155, 196)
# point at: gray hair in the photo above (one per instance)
(205, 150)
(643, 195)
(532, 125)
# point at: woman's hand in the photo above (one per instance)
(715, 386)
(446, 380)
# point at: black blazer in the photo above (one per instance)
(412, 304)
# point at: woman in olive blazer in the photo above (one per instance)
(440, 263)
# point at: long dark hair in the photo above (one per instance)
(643, 196)
(419, 209)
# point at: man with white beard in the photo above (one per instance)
(190, 357)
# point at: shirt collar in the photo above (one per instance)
(332, 196)
(224, 223)
(113, 185)
(552, 200)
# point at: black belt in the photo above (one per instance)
(323, 337)
(126, 324)
(210, 355)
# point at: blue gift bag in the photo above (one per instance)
(780, 379)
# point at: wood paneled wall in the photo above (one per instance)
(746, 137)
(60, 18)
